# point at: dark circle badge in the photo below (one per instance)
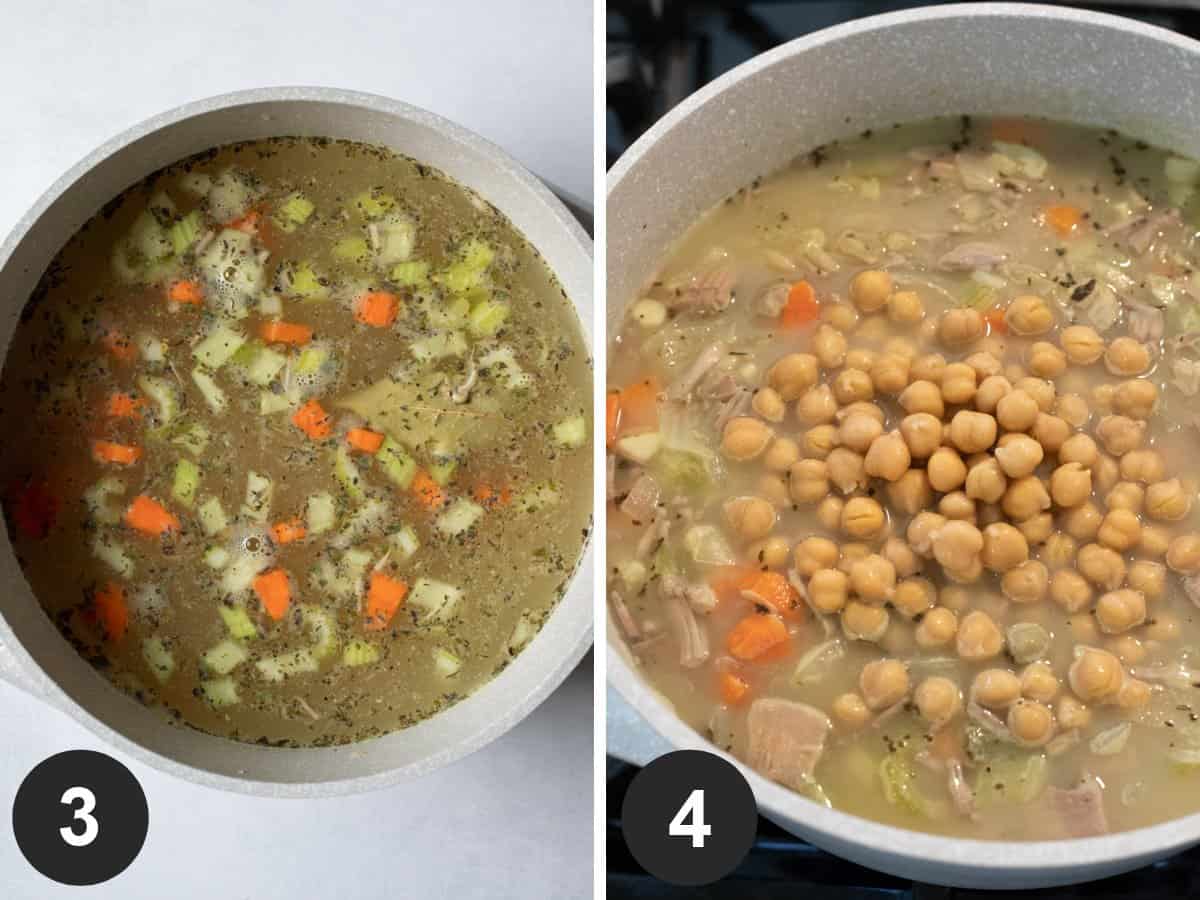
(689, 817)
(80, 817)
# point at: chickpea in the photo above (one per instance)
(862, 517)
(774, 552)
(1147, 577)
(1145, 466)
(1028, 314)
(938, 700)
(995, 688)
(928, 367)
(829, 512)
(1017, 411)
(1101, 566)
(960, 326)
(1183, 555)
(900, 346)
(1083, 522)
(883, 683)
(1125, 356)
(1072, 409)
(889, 373)
(1084, 629)
(978, 637)
(958, 383)
(1031, 723)
(1126, 495)
(792, 375)
(1163, 627)
(862, 408)
(986, 361)
(870, 289)
(850, 710)
(860, 358)
(862, 622)
(1014, 372)
(774, 489)
(846, 469)
(921, 530)
(841, 316)
(972, 432)
(957, 505)
(901, 556)
(1026, 582)
(1133, 694)
(819, 440)
(1025, 498)
(1155, 540)
(1072, 714)
(990, 391)
(1168, 501)
(1102, 396)
(1038, 682)
(873, 578)
(954, 597)
(1120, 530)
(1070, 590)
(744, 438)
(781, 455)
(986, 481)
(853, 385)
(936, 628)
(905, 308)
(815, 553)
(1040, 389)
(1081, 344)
(1018, 455)
(828, 590)
(1059, 550)
(1120, 434)
(1080, 449)
(1003, 547)
(922, 433)
(1095, 674)
(956, 544)
(1106, 473)
(816, 406)
(914, 596)
(858, 430)
(888, 457)
(1127, 648)
(1050, 431)
(1135, 398)
(1037, 529)
(1070, 485)
(829, 346)
(1045, 360)
(1118, 611)
(910, 493)
(923, 397)
(750, 518)
(808, 481)
(768, 404)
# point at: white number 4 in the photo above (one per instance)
(698, 830)
(87, 803)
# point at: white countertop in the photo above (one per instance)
(514, 820)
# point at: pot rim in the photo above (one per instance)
(774, 799)
(558, 665)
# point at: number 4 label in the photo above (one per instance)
(698, 830)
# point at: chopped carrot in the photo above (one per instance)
(274, 592)
(1064, 219)
(612, 417)
(186, 292)
(377, 308)
(994, 319)
(34, 507)
(118, 344)
(773, 590)
(288, 531)
(1014, 131)
(285, 333)
(384, 597)
(755, 635)
(124, 406)
(427, 491)
(150, 517)
(733, 689)
(121, 454)
(112, 610)
(802, 308)
(312, 419)
(248, 222)
(639, 408)
(486, 495)
(728, 582)
(364, 439)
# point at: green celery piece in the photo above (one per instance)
(395, 461)
(374, 204)
(185, 483)
(487, 318)
(294, 211)
(238, 621)
(185, 231)
(352, 249)
(413, 273)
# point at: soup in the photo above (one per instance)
(902, 478)
(306, 453)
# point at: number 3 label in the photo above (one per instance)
(87, 804)
(698, 830)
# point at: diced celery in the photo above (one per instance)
(160, 660)
(192, 437)
(460, 516)
(239, 574)
(413, 273)
(501, 364)
(360, 653)
(345, 470)
(110, 551)
(311, 359)
(448, 315)
(185, 482)
(97, 499)
(231, 264)
(571, 432)
(294, 211)
(259, 490)
(149, 238)
(404, 543)
(396, 463)
(183, 233)
(522, 633)
(442, 470)
(537, 497)
(224, 657)
(367, 519)
(1010, 776)
(270, 305)
(219, 347)
(285, 665)
(230, 195)
(898, 777)
(196, 183)
(397, 237)
(220, 691)
(437, 346)
(216, 557)
(165, 395)
(210, 390)
(446, 663)
(352, 249)
(436, 600)
(353, 565)
(239, 623)
(150, 348)
(263, 365)
(468, 271)
(682, 470)
(212, 516)
(270, 403)
(487, 318)
(374, 204)
(320, 512)
(321, 628)
(301, 280)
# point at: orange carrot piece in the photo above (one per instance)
(124, 406)
(733, 689)
(285, 333)
(274, 592)
(312, 419)
(121, 454)
(288, 531)
(186, 292)
(248, 222)
(612, 417)
(994, 319)
(384, 596)
(427, 491)
(365, 440)
(728, 582)
(755, 635)
(118, 344)
(773, 590)
(150, 517)
(1063, 219)
(802, 308)
(377, 308)
(639, 408)
(487, 495)
(112, 610)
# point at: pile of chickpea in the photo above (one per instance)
(990, 470)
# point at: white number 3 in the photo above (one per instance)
(87, 803)
(698, 830)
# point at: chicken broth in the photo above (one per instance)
(312, 456)
(901, 490)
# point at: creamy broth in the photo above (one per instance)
(983, 629)
(304, 454)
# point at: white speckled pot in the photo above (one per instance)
(1001, 59)
(32, 652)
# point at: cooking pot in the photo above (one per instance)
(32, 651)
(984, 59)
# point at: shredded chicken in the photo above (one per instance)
(693, 637)
(1146, 323)
(772, 300)
(735, 406)
(610, 476)
(702, 597)
(642, 500)
(786, 739)
(625, 620)
(1172, 676)
(656, 532)
(1191, 587)
(720, 388)
(1140, 238)
(682, 387)
(972, 255)
(708, 293)
(462, 392)
(1081, 809)
(989, 721)
(960, 791)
